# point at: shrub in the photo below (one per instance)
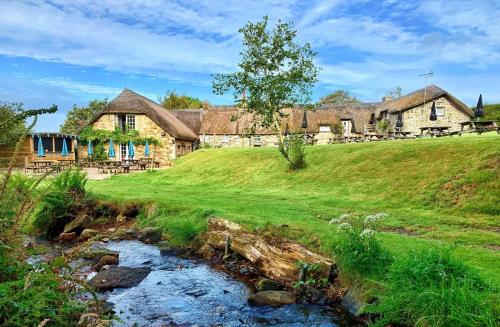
(295, 152)
(18, 190)
(432, 288)
(357, 247)
(31, 296)
(64, 200)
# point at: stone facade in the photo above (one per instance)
(448, 115)
(165, 152)
(237, 141)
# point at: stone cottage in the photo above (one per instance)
(135, 111)
(227, 126)
(416, 107)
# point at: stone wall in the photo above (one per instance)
(164, 152)
(237, 141)
(418, 117)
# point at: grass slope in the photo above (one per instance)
(435, 191)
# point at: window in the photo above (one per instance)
(123, 151)
(325, 128)
(130, 122)
(346, 124)
(225, 139)
(439, 111)
(256, 140)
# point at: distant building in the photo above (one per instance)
(52, 144)
(133, 111)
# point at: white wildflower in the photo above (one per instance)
(367, 233)
(376, 218)
(344, 226)
(338, 220)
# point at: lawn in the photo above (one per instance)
(441, 191)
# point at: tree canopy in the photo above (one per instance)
(275, 73)
(79, 116)
(339, 97)
(13, 120)
(173, 100)
(492, 111)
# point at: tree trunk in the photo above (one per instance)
(276, 259)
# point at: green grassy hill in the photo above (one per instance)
(436, 191)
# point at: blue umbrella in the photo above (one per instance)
(111, 150)
(90, 151)
(40, 152)
(131, 152)
(146, 149)
(64, 151)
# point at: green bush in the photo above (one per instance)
(17, 191)
(295, 152)
(432, 288)
(357, 248)
(64, 200)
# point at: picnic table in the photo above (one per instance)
(480, 126)
(373, 136)
(144, 162)
(435, 130)
(42, 166)
(399, 134)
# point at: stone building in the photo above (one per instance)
(416, 107)
(180, 131)
(227, 126)
(132, 110)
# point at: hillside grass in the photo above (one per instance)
(441, 192)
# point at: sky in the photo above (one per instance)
(70, 52)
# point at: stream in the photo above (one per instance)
(183, 292)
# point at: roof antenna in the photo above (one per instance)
(427, 76)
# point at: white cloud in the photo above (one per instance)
(77, 87)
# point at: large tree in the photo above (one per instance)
(79, 116)
(275, 73)
(12, 125)
(339, 97)
(173, 100)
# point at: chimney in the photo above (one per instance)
(387, 98)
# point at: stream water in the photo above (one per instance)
(187, 293)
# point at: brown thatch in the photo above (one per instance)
(129, 102)
(416, 99)
(190, 117)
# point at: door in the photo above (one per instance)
(123, 151)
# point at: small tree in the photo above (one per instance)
(172, 100)
(396, 93)
(276, 73)
(339, 97)
(338, 130)
(79, 116)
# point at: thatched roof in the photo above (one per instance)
(129, 102)
(231, 121)
(416, 99)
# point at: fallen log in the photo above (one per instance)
(276, 259)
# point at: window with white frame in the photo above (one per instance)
(225, 139)
(123, 151)
(256, 140)
(324, 128)
(130, 122)
(346, 124)
(439, 111)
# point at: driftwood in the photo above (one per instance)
(276, 259)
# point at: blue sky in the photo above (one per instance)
(69, 52)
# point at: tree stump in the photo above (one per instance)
(276, 259)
